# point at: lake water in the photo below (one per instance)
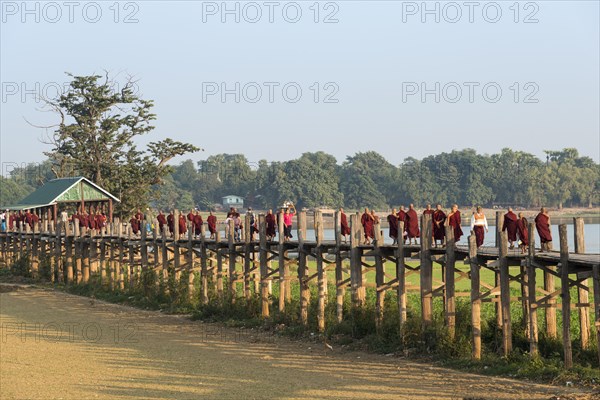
(591, 231)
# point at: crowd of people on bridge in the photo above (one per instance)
(516, 226)
(403, 224)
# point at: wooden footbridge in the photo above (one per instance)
(113, 256)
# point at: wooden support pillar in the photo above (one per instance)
(321, 276)
(219, 256)
(68, 249)
(282, 270)
(165, 259)
(303, 269)
(401, 276)
(550, 316)
(231, 260)
(596, 279)
(379, 276)
(203, 267)
(505, 294)
(189, 256)
(533, 305)
(339, 273)
(247, 257)
(264, 271)
(426, 274)
(499, 223)
(356, 278)
(566, 295)
(449, 282)
(121, 264)
(475, 297)
(582, 294)
(78, 253)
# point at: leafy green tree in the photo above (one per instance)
(95, 137)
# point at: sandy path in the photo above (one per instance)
(56, 345)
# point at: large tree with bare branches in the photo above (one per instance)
(96, 138)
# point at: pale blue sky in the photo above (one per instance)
(370, 55)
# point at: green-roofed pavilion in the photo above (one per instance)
(66, 191)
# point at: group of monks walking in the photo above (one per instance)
(516, 226)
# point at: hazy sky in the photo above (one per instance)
(383, 76)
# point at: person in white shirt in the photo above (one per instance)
(478, 224)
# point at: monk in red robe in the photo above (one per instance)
(162, 221)
(34, 221)
(197, 220)
(212, 225)
(28, 219)
(271, 225)
(367, 222)
(182, 225)
(523, 232)
(171, 223)
(402, 218)
(439, 232)
(412, 224)
(135, 225)
(542, 224)
(454, 221)
(344, 226)
(392, 220)
(12, 217)
(190, 216)
(510, 226)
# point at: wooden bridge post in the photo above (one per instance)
(596, 279)
(131, 253)
(401, 276)
(282, 270)
(426, 271)
(505, 294)
(231, 260)
(35, 261)
(203, 266)
(68, 249)
(57, 267)
(339, 272)
(165, 260)
(77, 251)
(379, 276)
(533, 305)
(566, 295)
(475, 296)
(264, 270)
(550, 316)
(303, 269)
(189, 261)
(93, 250)
(121, 251)
(499, 223)
(112, 270)
(583, 295)
(450, 282)
(103, 264)
(321, 276)
(356, 278)
(247, 259)
(219, 255)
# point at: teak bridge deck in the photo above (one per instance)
(114, 254)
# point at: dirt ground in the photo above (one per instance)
(59, 346)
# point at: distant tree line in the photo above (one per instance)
(364, 179)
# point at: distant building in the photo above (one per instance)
(233, 201)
